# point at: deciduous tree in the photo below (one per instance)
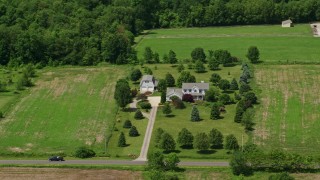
(253, 54)
(231, 142)
(201, 141)
(185, 138)
(216, 138)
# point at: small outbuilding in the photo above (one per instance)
(287, 23)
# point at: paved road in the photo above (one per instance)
(104, 162)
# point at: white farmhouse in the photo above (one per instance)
(197, 90)
(148, 84)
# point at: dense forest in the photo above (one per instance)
(86, 32)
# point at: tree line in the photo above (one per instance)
(87, 32)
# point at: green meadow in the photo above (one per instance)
(67, 108)
(289, 112)
(276, 44)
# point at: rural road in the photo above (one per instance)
(154, 101)
(103, 162)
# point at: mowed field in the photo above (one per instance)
(274, 42)
(289, 115)
(67, 108)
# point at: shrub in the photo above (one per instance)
(134, 92)
(142, 97)
(1, 115)
(138, 115)
(133, 132)
(145, 105)
(225, 99)
(187, 98)
(281, 176)
(127, 124)
(84, 152)
(177, 103)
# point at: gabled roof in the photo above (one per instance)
(176, 91)
(287, 21)
(146, 78)
(198, 85)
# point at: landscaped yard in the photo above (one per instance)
(289, 114)
(274, 42)
(67, 108)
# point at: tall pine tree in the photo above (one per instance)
(195, 114)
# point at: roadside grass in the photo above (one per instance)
(289, 114)
(67, 108)
(276, 44)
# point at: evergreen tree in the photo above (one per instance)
(135, 75)
(158, 135)
(185, 77)
(185, 138)
(215, 79)
(156, 161)
(122, 140)
(198, 54)
(1, 115)
(138, 115)
(224, 84)
(165, 59)
(122, 93)
(234, 84)
(180, 67)
(231, 142)
(215, 111)
(163, 97)
(216, 138)
(213, 64)
(244, 88)
(133, 132)
(172, 57)
(171, 161)
(195, 114)
(156, 58)
(148, 55)
(166, 109)
(167, 143)
(162, 85)
(170, 80)
(201, 141)
(127, 124)
(253, 54)
(199, 67)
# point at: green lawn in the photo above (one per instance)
(67, 108)
(289, 113)
(275, 43)
(181, 118)
(134, 144)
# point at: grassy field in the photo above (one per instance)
(67, 108)
(289, 114)
(275, 43)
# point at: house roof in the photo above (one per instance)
(147, 78)
(176, 91)
(199, 85)
(287, 21)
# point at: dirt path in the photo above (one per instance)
(59, 173)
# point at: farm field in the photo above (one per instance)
(67, 108)
(289, 113)
(274, 42)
